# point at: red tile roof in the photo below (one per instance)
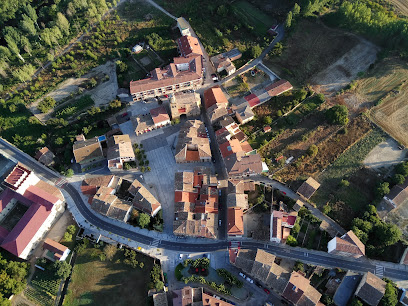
(253, 100)
(25, 229)
(184, 196)
(214, 96)
(230, 147)
(54, 246)
(5, 198)
(235, 226)
(192, 156)
(188, 45)
(221, 131)
(278, 88)
(159, 115)
(39, 196)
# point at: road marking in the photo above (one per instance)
(306, 254)
(379, 270)
(60, 182)
(155, 242)
(266, 246)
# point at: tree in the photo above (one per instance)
(122, 67)
(46, 104)
(288, 22)
(67, 237)
(24, 73)
(402, 169)
(267, 119)
(62, 269)
(291, 241)
(71, 229)
(398, 179)
(356, 302)
(12, 45)
(144, 220)
(27, 25)
(296, 9)
(110, 251)
(312, 151)
(344, 183)
(159, 285)
(386, 234)
(255, 51)
(390, 297)
(62, 23)
(69, 172)
(383, 189)
(338, 114)
(31, 13)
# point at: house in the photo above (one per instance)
(299, 292)
(87, 151)
(45, 156)
(143, 124)
(120, 150)
(31, 206)
(235, 222)
(184, 73)
(90, 185)
(55, 251)
(240, 165)
(223, 63)
(253, 100)
(189, 45)
(160, 117)
(183, 26)
(160, 299)
(347, 245)
(193, 144)
(371, 289)
(261, 266)
(398, 194)
(143, 200)
(244, 113)
(281, 224)
(267, 129)
(187, 104)
(346, 288)
(189, 296)
(308, 188)
(217, 112)
(196, 203)
(278, 88)
(214, 95)
(298, 205)
(240, 186)
(237, 200)
(123, 94)
(231, 126)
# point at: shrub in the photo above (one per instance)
(338, 114)
(398, 179)
(291, 241)
(312, 151)
(46, 104)
(344, 183)
(383, 189)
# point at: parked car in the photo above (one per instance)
(267, 291)
(124, 114)
(207, 256)
(213, 160)
(249, 280)
(219, 222)
(242, 274)
(181, 256)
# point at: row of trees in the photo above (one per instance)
(12, 278)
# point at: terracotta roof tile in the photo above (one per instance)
(278, 88)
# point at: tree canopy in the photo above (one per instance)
(338, 114)
(12, 278)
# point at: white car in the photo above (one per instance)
(249, 280)
(181, 256)
(242, 274)
(219, 222)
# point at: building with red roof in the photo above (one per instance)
(55, 251)
(281, 224)
(253, 100)
(37, 201)
(160, 116)
(278, 88)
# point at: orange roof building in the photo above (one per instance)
(54, 250)
(278, 88)
(214, 96)
(347, 245)
(235, 225)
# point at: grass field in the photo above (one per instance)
(349, 201)
(96, 282)
(260, 21)
(308, 50)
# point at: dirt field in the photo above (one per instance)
(346, 68)
(101, 94)
(392, 115)
(311, 49)
(385, 155)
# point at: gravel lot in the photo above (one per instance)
(385, 155)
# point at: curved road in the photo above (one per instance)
(393, 271)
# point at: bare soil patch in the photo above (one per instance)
(346, 68)
(401, 5)
(385, 155)
(312, 48)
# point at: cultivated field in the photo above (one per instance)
(401, 5)
(392, 115)
(309, 50)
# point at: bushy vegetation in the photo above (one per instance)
(75, 108)
(46, 104)
(200, 279)
(231, 279)
(13, 278)
(337, 114)
(375, 233)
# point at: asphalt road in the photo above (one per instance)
(396, 272)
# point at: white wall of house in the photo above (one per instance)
(31, 180)
(154, 213)
(65, 255)
(331, 246)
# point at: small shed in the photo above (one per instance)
(137, 49)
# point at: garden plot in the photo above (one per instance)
(346, 68)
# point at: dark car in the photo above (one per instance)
(213, 160)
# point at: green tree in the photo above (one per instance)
(122, 67)
(383, 189)
(62, 269)
(28, 26)
(71, 229)
(255, 51)
(267, 120)
(12, 45)
(144, 220)
(313, 150)
(291, 241)
(386, 234)
(46, 104)
(159, 285)
(67, 237)
(338, 114)
(24, 73)
(288, 22)
(69, 172)
(390, 297)
(62, 23)
(344, 183)
(356, 302)
(296, 9)
(31, 13)
(398, 179)
(402, 168)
